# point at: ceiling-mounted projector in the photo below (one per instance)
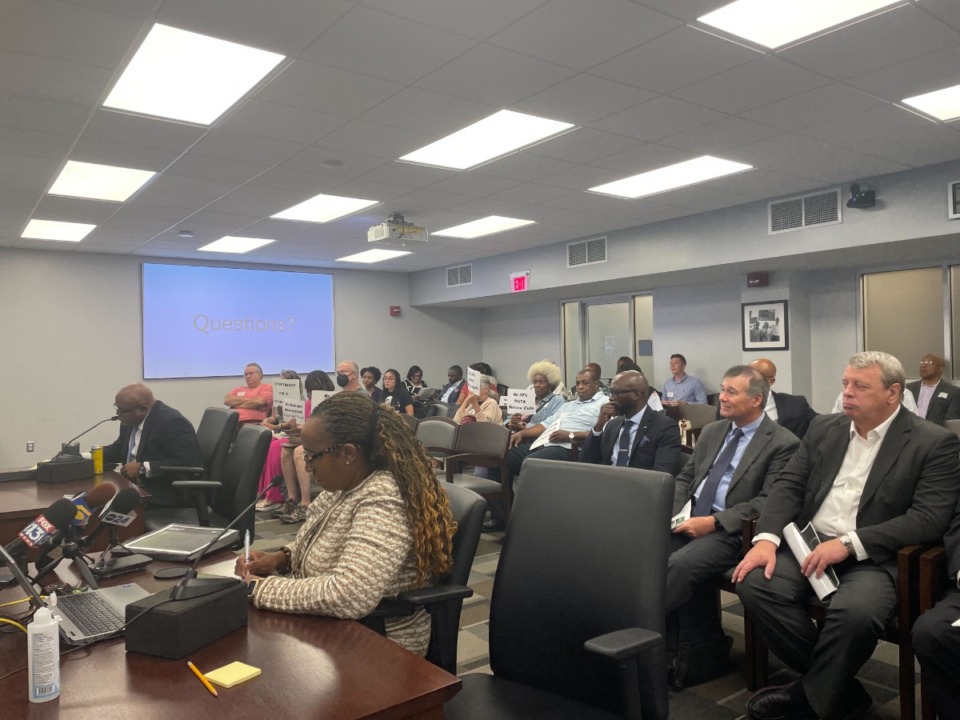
(397, 231)
(861, 197)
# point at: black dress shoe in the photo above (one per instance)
(777, 703)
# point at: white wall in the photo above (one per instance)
(515, 337)
(72, 338)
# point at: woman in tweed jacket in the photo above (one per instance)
(382, 526)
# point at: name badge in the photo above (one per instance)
(670, 393)
(942, 395)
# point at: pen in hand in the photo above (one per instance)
(206, 683)
(246, 546)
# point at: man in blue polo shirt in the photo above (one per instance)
(682, 387)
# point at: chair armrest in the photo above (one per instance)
(435, 594)
(392, 607)
(202, 484)
(623, 644)
(748, 528)
(933, 564)
(181, 469)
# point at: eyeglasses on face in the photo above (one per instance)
(124, 411)
(311, 458)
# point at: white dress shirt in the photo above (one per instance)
(633, 434)
(771, 408)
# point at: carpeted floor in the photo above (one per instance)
(721, 699)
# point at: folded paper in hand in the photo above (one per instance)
(802, 542)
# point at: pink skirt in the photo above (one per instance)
(272, 468)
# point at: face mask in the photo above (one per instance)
(342, 380)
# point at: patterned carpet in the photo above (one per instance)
(721, 699)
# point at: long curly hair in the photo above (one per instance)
(387, 443)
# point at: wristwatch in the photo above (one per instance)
(571, 436)
(252, 587)
(717, 525)
(142, 472)
(848, 544)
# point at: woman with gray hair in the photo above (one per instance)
(544, 376)
(482, 407)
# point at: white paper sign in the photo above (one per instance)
(521, 401)
(682, 516)
(318, 396)
(473, 380)
(294, 410)
(544, 437)
(283, 389)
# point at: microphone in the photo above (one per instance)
(190, 586)
(42, 532)
(118, 514)
(88, 502)
(64, 456)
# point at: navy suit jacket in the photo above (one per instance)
(940, 408)
(656, 445)
(909, 497)
(793, 412)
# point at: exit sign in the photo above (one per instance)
(520, 282)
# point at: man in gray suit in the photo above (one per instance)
(937, 400)
(870, 481)
(708, 543)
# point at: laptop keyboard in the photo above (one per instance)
(91, 614)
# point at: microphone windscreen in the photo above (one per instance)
(100, 495)
(61, 513)
(125, 501)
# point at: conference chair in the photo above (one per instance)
(216, 431)
(577, 612)
(481, 444)
(236, 489)
(932, 582)
(953, 426)
(438, 436)
(412, 422)
(444, 599)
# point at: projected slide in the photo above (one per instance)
(210, 322)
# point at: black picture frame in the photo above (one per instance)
(764, 325)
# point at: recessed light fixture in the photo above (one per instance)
(324, 208)
(942, 104)
(99, 182)
(775, 23)
(238, 245)
(483, 226)
(56, 230)
(374, 256)
(490, 138)
(671, 177)
(186, 76)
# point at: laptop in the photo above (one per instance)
(84, 617)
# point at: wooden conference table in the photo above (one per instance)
(313, 667)
(22, 500)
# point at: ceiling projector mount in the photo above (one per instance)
(397, 231)
(861, 197)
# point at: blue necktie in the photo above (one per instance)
(708, 494)
(623, 448)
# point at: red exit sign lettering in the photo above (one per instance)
(520, 282)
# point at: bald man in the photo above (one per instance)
(152, 435)
(937, 400)
(790, 411)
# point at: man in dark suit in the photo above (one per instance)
(628, 433)
(936, 642)
(450, 392)
(791, 411)
(937, 400)
(152, 435)
(734, 463)
(870, 481)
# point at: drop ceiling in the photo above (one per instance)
(369, 81)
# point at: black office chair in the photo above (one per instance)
(577, 613)
(438, 435)
(443, 600)
(216, 431)
(481, 445)
(236, 489)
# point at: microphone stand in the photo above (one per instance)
(64, 456)
(193, 587)
(71, 549)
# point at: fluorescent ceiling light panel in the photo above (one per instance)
(56, 230)
(671, 177)
(774, 23)
(501, 133)
(186, 76)
(374, 256)
(99, 182)
(483, 226)
(231, 244)
(324, 208)
(941, 104)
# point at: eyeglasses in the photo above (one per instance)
(313, 457)
(927, 362)
(124, 411)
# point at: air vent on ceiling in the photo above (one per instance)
(587, 252)
(822, 208)
(461, 275)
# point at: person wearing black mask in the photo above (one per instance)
(348, 376)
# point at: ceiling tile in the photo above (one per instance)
(281, 122)
(658, 118)
(319, 158)
(580, 35)
(584, 146)
(111, 153)
(680, 57)
(583, 99)
(39, 115)
(208, 168)
(227, 145)
(494, 76)
(35, 144)
(377, 140)
(427, 112)
(920, 75)
(648, 156)
(427, 199)
(900, 34)
(686, 10)
(67, 209)
(408, 174)
(140, 131)
(716, 137)
(35, 76)
(524, 166)
(465, 17)
(818, 105)
(404, 51)
(751, 85)
(327, 89)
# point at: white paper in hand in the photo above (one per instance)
(681, 517)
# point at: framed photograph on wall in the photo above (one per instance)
(765, 326)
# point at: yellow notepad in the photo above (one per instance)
(232, 674)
